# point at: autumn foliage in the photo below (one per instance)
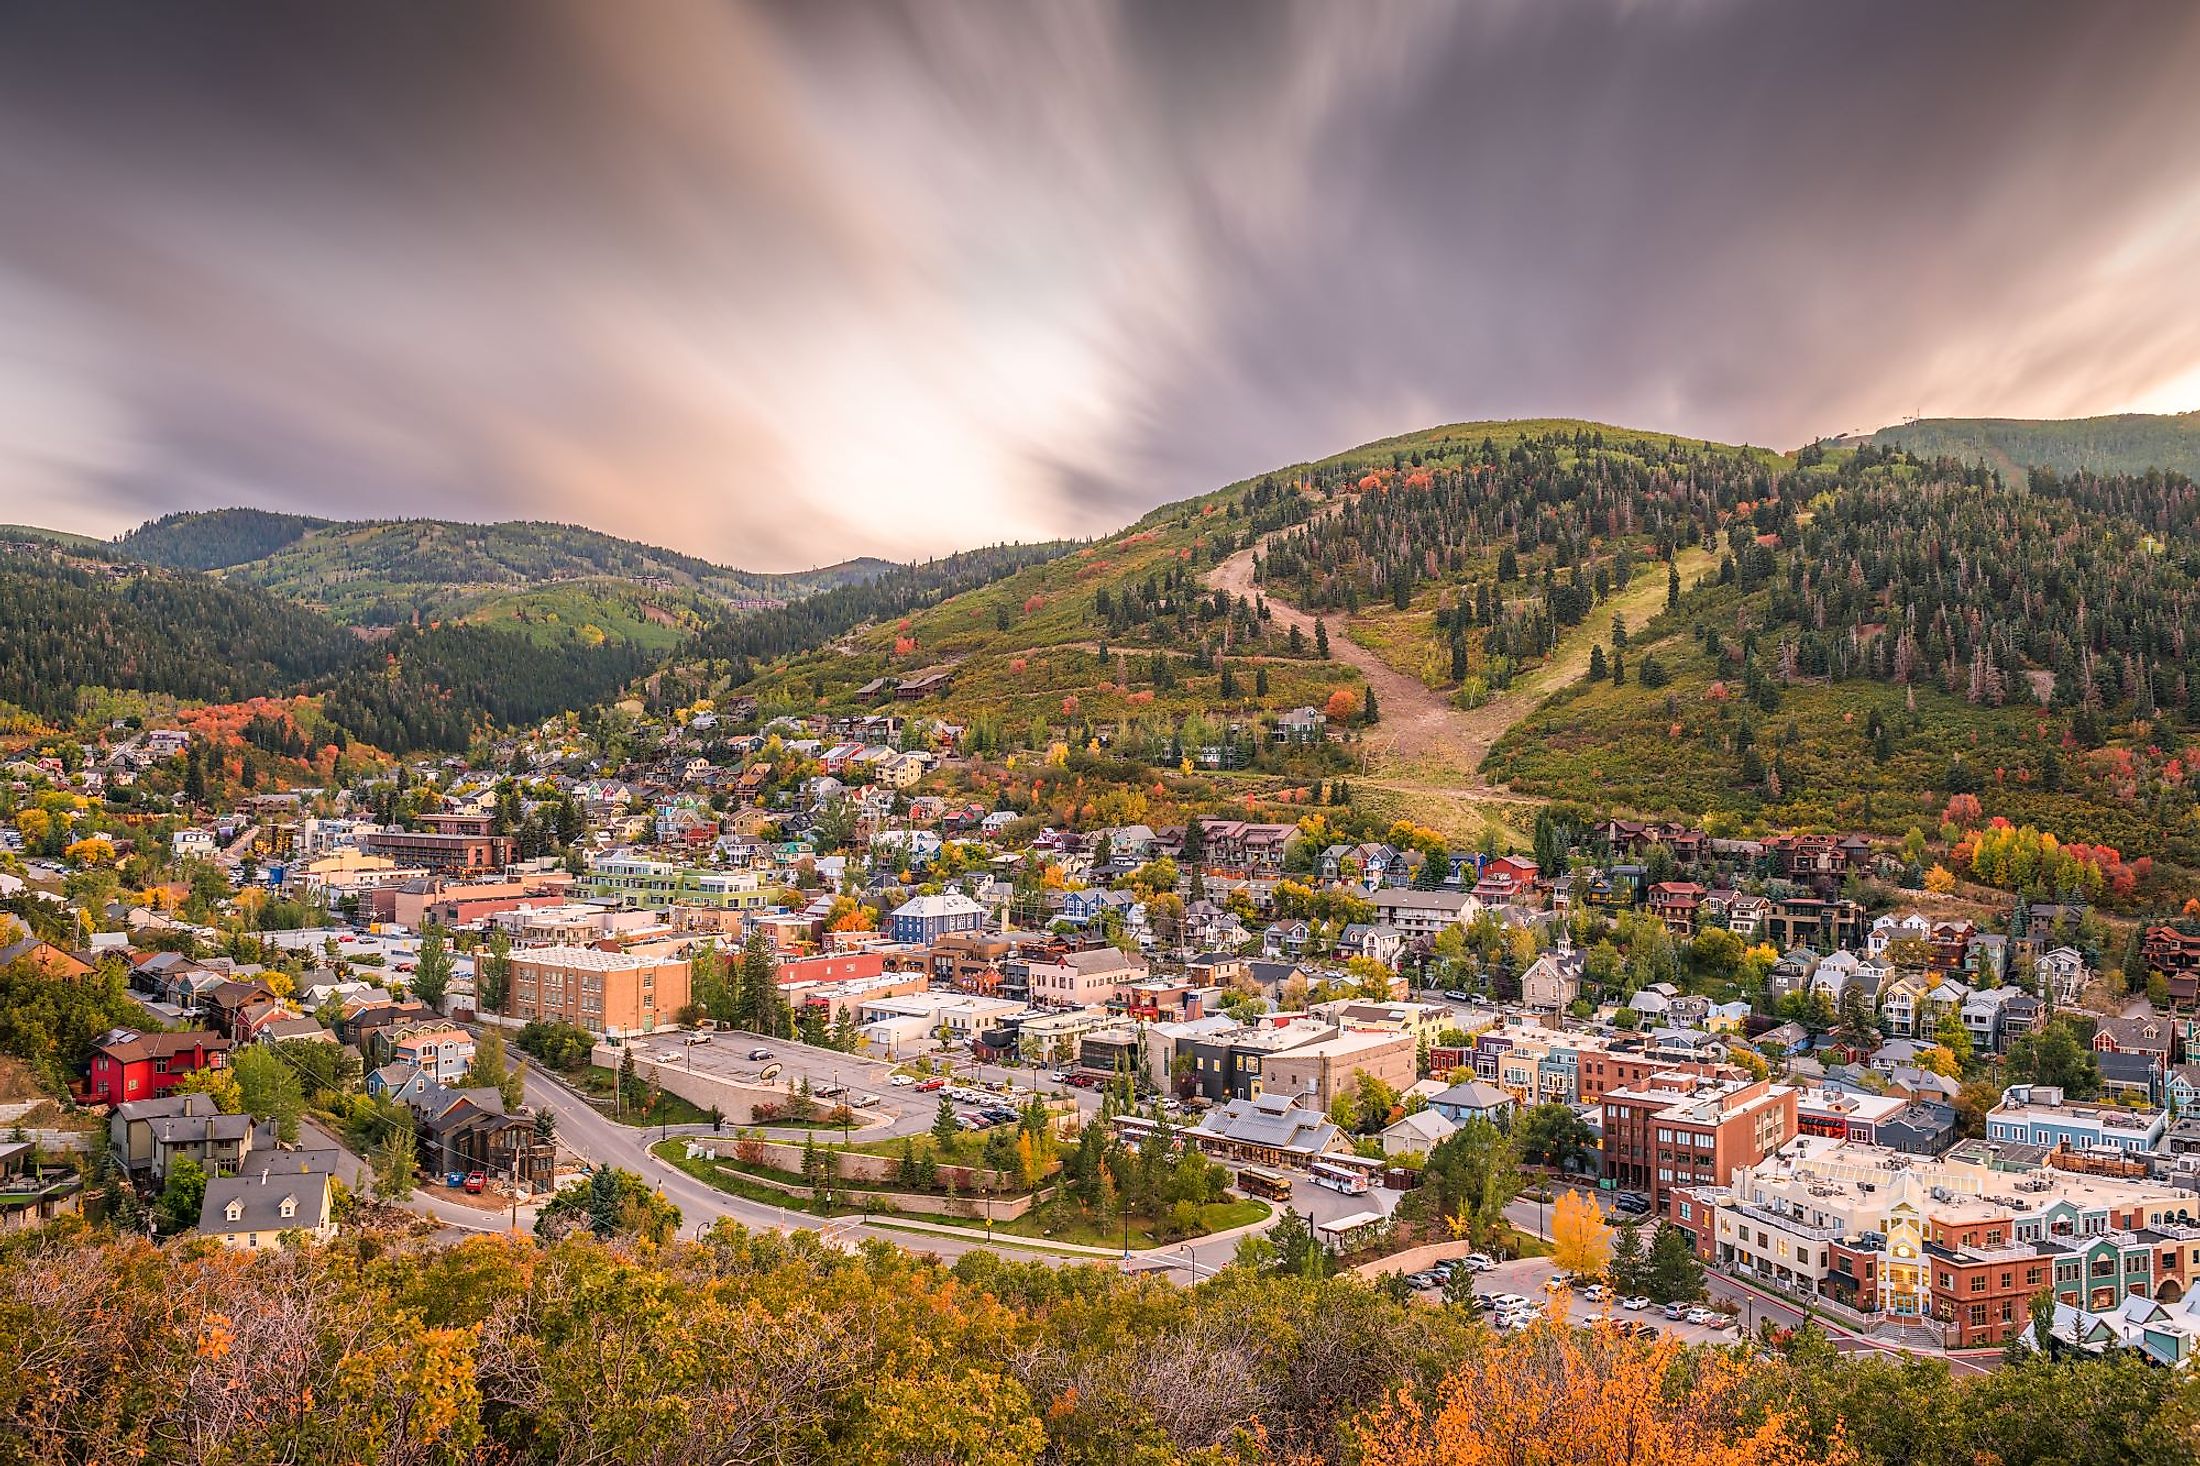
(1556, 1396)
(1580, 1242)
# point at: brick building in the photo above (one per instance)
(610, 993)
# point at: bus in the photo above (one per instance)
(1264, 1183)
(1350, 1180)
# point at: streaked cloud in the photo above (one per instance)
(785, 283)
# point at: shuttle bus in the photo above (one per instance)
(1351, 1180)
(1264, 1183)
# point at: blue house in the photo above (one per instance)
(925, 919)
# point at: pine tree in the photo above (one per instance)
(1321, 639)
(1676, 1273)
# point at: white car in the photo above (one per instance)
(1479, 1262)
(1702, 1315)
(1510, 1302)
(1596, 1293)
(1554, 1284)
(901, 1079)
(1635, 1304)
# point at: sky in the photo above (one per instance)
(785, 284)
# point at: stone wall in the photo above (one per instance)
(851, 1165)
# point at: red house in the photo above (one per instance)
(1508, 878)
(135, 1066)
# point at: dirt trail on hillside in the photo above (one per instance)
(1420, 738)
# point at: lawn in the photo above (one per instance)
(664, 1107)
(1063, 1221)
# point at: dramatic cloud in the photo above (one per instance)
(781, 284)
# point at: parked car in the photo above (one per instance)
(698, 1038)
(865, 1102)
(1596, 1292)
(1508, 1302)
(901, 1079)
(1055, 1076)
(1676, 1311)
(476, 1183)
(1703, 1315)
(1457, 996)
(755, 1054)
(1635, 1304)
(1554, 1284)
(1423, 1279)
(454, 1179)
(1631, 1202)
(1478, 1262)
(928, 1085)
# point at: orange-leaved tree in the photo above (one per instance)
(1559, 1396)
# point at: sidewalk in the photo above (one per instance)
(1081, 1249)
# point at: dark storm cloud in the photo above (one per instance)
(785, 283)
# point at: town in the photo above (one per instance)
(787, 971)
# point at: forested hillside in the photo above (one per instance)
(67, 623)
(387, 572)
(438, 687)
(1883, 634)
(1465, 553)
(2127, 443)
(215, 538)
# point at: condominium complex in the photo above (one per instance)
(1963, 1244)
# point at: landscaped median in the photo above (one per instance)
(859, 1182)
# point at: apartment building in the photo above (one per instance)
(633, 880)
(608, 993)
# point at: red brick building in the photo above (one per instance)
(1692, 1130)
(1982, 1283)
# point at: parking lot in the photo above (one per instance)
(1528, 1278)
(768, 1063)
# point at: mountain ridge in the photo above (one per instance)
(2126, 442)
(385, 571)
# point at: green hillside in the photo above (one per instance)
(387, 572)
(2130, 442)
(1129, 627)
(216, 538)
(31, 534)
